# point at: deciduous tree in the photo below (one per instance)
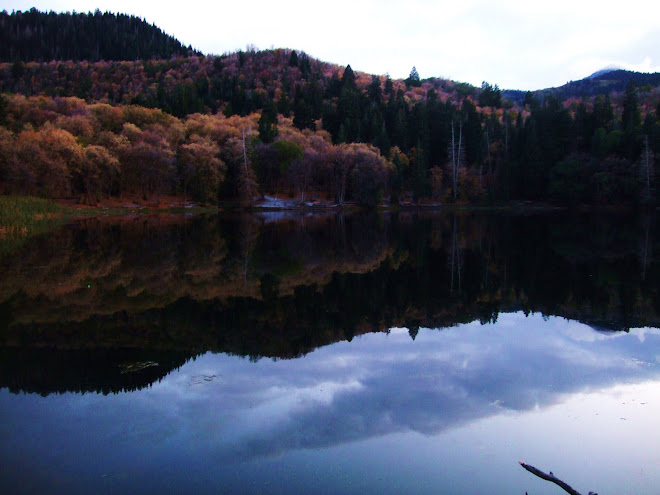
(201, 169)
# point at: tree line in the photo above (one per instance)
(362, 145)
(40, 36)
(64, 147)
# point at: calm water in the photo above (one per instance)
(394, 353)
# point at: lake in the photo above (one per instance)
(289, 352)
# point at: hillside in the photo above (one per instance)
(35, 36)
(307, 126)
(600, 83)
(614, 81)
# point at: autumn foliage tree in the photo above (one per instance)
(200, 168)
(98, 174)
(147, 162)
(369, 176)
(49, 158)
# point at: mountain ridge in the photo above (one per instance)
(35, 36)
(599, 83)
(604, 70)
(41, 37)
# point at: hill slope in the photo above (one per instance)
(41, 37)
(599, 83)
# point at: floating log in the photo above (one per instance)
(552, 478)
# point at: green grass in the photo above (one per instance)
(22, 217)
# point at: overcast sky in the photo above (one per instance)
(516, 44)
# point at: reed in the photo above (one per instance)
(22, 217)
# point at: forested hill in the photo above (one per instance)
(42, 37)
(94, 128)
(614, 81)
(600, 83)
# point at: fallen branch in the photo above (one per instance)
(552, 478)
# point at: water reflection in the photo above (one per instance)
(282, 287)
(358, 353)
(229, 417)
(381, 384)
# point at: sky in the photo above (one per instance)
(516, 44)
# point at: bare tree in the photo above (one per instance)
(246, 181)
(457, 154)
(647, 172)
(646, 245)
(456, 258)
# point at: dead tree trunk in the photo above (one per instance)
(552, 478)
(456, 155)
(646, 172)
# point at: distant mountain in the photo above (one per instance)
(602, 72)
(608, 80)
(42, 37)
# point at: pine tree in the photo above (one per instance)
(268, 123)
(413, 79)
(293, 60)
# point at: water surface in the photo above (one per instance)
(335, 354)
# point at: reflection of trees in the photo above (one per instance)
(240, 285)
(455, 259)
(101, 267)
(46, 371)
(248, 233)
(645, 252)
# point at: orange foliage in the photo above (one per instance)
(64, 147)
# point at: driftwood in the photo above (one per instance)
(552, 478)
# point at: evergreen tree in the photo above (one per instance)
(293, 60)
(268, 123)
(348, 79)
(374, 92)
(305, 67)
(490, 96)
(631, 119)
(413, 79)
(421, 177)
(302, 111)
(603, 113)
(40, 36)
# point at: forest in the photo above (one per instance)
(237, 126)
(37, 36)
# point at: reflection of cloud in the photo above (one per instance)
(641, 333)
(584, 333)
(376, 385)
(380, 384)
